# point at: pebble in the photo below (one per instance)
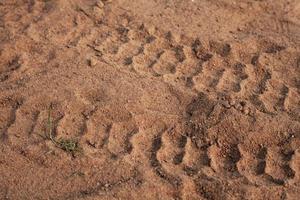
(246, 111)
(98, 48)
(92, 62)
(177, 37)
(125, 22)
(237, 106)
(100, 4)
(232, 102)
(151, 29)
(226, 104)
(98, 12)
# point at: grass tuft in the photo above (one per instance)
(68, 145)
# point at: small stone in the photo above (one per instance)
(232, 102)
(92, 62)
(100, 4)
(246, 111)
(177, 37)
(226, 104)
(98, 48)
(125, 22)
(243, 5)
(238, 107)
(98, 12)
(151, 29)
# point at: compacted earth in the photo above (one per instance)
(149, 99)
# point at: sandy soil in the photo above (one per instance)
(165, 99)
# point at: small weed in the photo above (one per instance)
(68, 145)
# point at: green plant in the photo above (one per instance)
(68, 145)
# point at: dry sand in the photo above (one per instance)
(168, 99)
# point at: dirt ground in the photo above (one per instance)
(149, 99)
